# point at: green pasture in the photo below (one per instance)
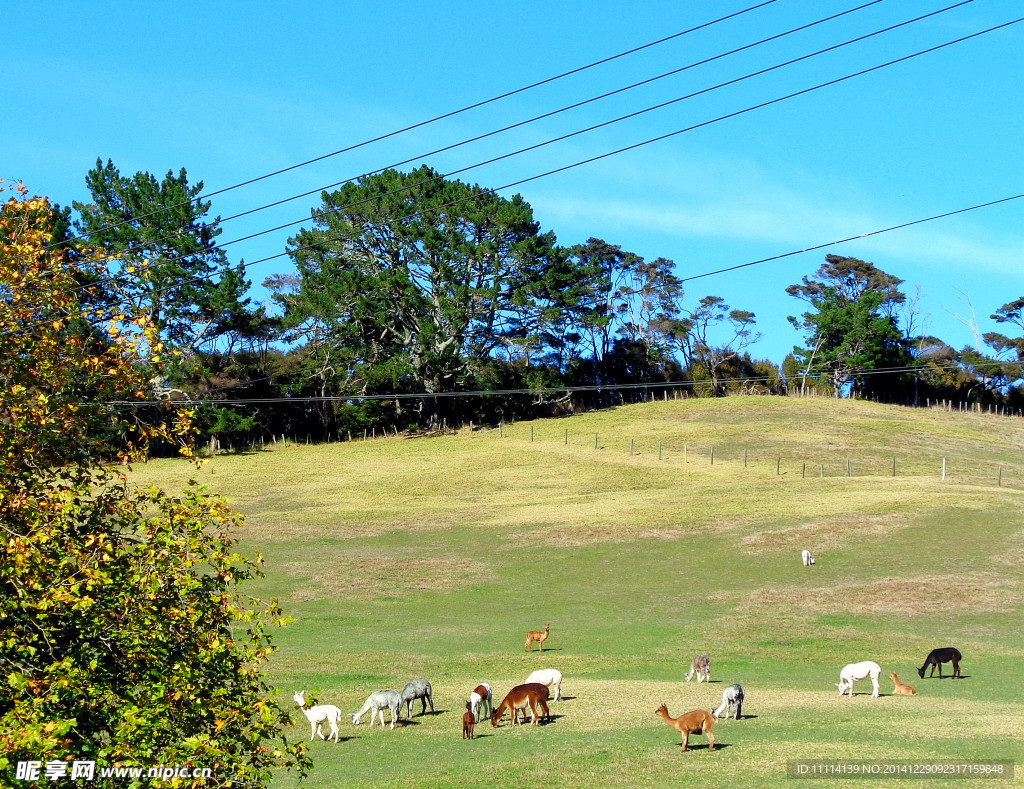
(432, 556)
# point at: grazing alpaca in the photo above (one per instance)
(481, 697)
(548, 676)
(701, 666)
(378, 701)
(531, 693)
(939, 656)
(321, 713)
(732, 698)
(468, 723)
(418, 689)
(806, 556)
(855, 671)
(696, 722)
(540, 636)
(901, 689)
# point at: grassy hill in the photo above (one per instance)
(431, 557)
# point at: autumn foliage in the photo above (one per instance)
(124, 638)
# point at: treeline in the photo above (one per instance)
(417, 286)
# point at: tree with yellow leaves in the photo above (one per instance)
(124, 638)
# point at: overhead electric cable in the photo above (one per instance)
(628, 116)
(662, 137)
(451, 113)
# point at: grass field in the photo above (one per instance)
(431, 557)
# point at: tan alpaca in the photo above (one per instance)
(696, 722)
(530, 694)
(537, 635)
(901, 689)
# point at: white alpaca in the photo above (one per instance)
(480, 699)
(855, 671)
(321, 713)
(549, 677)
(378, 701)
(808, 559)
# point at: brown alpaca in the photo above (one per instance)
(468, 723)
(696, 722)
(901, 689)
(532, 694)
(537, 635)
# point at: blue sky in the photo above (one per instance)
(234, 91)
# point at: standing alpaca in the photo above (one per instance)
(481, 697)
(378, 701)
(939, 656)
(701, 666)
(321, 713)
(732, 699)
(540, 636)
(901, 689)
(468, 723)
(696, 722)
(807, 558)
(531, 694)
(418, 689)
(855, 671)
(550, 677)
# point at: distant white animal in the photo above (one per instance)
(378, 701)
(701, 666)
(808, 559)
(855, 671)
(550, 677)
(321, 713)
(481, 703)
(732, 699)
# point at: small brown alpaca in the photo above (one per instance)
(468, 722)
(901, 689)
(537, 635)
(696, 722)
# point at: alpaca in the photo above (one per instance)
(939, 656)
(418, 689)
(321, 713)
(548, 676)
(696, 722)
(468, 723)
(540, 636)
(807, 558)
(701, 666)
(531, 694)
(378, 701)
(855, 671)
(732, 698)
(481, 697)
(901, 689)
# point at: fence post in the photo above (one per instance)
(501, 429)
(712, 456)
(632, 443)
(567, 437)
(894, 465)
(943, 469)
(744, 458)
(595, 440)
(849, 468)
(531, 433)
(659, 450)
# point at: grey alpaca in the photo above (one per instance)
(418, 689)
(732, 698)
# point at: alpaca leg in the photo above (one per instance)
(711, 741)
(739, 706)
(686, 738)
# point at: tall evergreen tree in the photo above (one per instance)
(164, 260)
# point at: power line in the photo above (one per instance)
(307, 399)
(453, 146)
(447, 115)
(660, 138)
